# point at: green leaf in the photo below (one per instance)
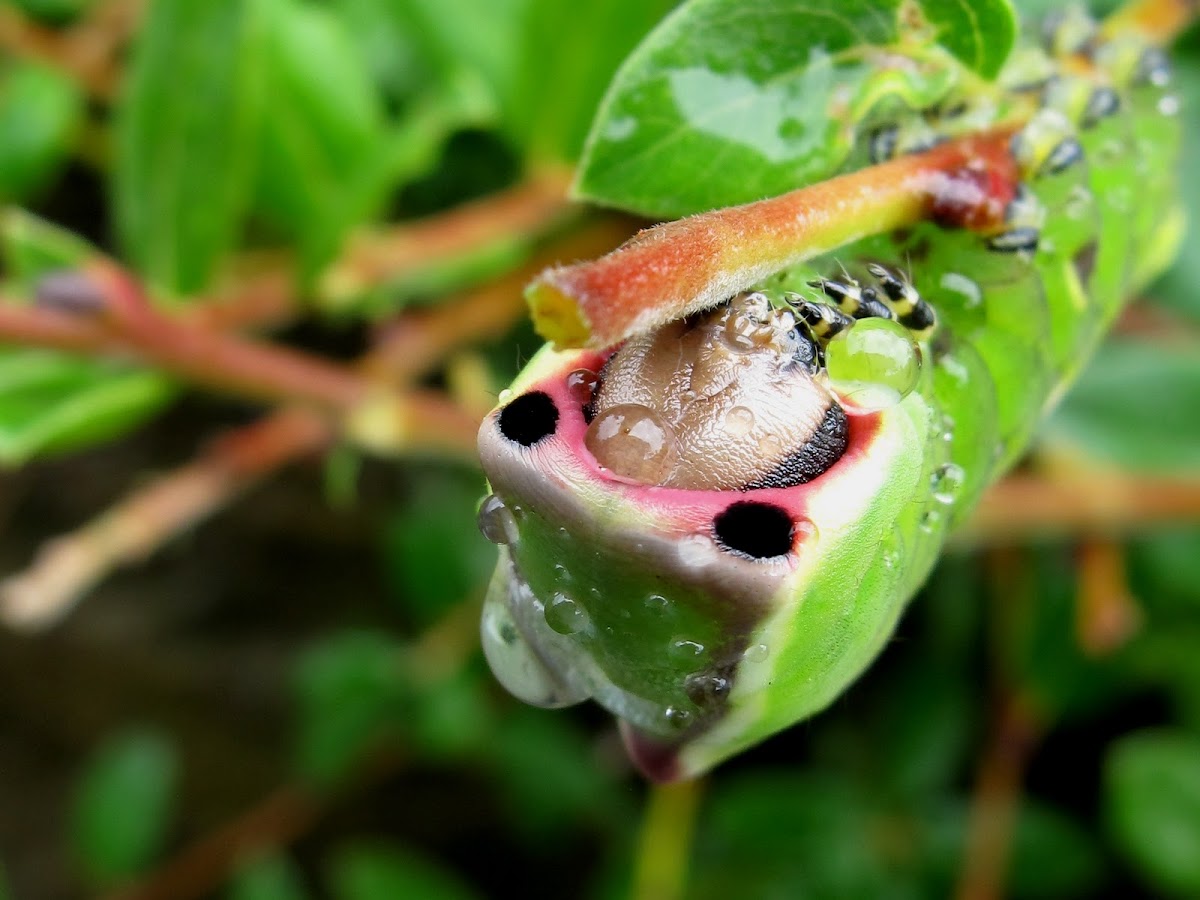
(1136, 406)
(1053, 856)
(571, 53)
(323, 123)
(981, 35)
(1152, 798)
(34, 248)
(40, 112)
(729, 101)
(186, 130)
(54, 403)
(123, 804)
(476, 39)
(271, 877)
(352, 689)
(55, 12)
(546, 771)
(371, 872)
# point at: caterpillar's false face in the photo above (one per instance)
(721, 401)
(666, 511)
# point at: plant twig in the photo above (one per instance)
(994, 807)
(660, 870)
(375, 257)
(69, 566)
(1023, 506)
(87, 51)
(1106, 614)
(289, 812)
(691, 264)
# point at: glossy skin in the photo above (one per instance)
(645, 597)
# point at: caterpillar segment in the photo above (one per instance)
(682, 517)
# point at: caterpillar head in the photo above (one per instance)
(693, 530)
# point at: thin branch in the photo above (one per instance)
(660, 870)
(1023, 506)
(684, 266)
(1106, 613)
(996, 802)
(87, 51)
(288, 813)
(375, 257)
(69, 566)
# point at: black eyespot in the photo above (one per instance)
(529, 418)
(756, 530)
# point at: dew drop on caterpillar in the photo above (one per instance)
(712, 526)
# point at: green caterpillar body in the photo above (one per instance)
(711, 569)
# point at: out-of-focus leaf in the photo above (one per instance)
(979, 34)
(729, 101)
(54, 403)
(383, 32)
(548, 775)
(784, 834)
(472, 39)
(1136, 406)
(408, 150)
(323, 124)
(123, 805)
(40, 110)
(371, 872)
(34, 247)
(452, 716)
(352, 689)
(435, 555)
(1052, 855)
(1167, 570)
(1152, 798)
(571, 52)
(186, 131)
(1166, 658)
(55, 12)
(267, 878)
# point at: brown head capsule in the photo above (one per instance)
(720, 401)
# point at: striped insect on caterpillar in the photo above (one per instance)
(716, 494)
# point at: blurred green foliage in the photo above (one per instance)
(294, 125)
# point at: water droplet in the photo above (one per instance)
(946, 482)
(504, 396)
(620, 128)
(562, 575)
(747, 323)
(930, 520)
(496, 521)
(1168, 105)
(516, 666)
(738, 421)
(684, 651)
(770, 447)
(676, 716)
(658, 605)
(565, 616)
(891, 557)
(581, 386)
(695, 550)
(874, 364)
(1081, 204)
(756, 653)
(633, 441)
(706, 688)
(967, 288)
